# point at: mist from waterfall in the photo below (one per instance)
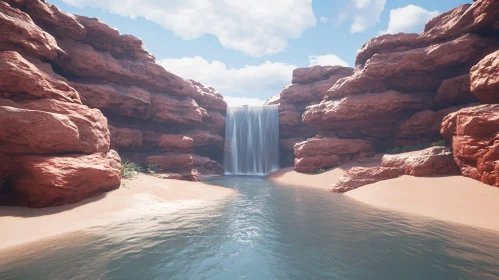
(251, 140)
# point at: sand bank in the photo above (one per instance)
(320, 181)
(454, 199)
(136, 197)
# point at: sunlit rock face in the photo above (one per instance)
(434, 161)
(72, 88)
(403, 85)
(474, 133)
(309, 87)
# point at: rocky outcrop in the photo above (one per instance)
(72, 87)
(323, 153)
(357, 177)
(41, 181)
(434, 161)
(485, 79)
(403, 85)
(309, 87)
(474, 133)
(54, 149)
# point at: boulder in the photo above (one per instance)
(475, 141)
(42, 181)
(485, 79)
(357, 177)
(19, 33)
(434, 161)
(323, 153)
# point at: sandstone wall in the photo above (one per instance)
(402, 87)
(72, 89)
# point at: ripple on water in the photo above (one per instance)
(267, 231)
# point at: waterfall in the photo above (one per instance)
(251, 140)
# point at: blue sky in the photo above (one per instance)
(248, 49)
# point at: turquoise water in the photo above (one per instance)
(267, 231)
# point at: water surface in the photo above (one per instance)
(267, 231)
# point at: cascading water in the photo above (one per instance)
(251, 140)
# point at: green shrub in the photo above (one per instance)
(129, 168)
(439, 143)
(153, 168)
(319, 171)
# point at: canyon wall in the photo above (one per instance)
(403, 87)
(74, 91)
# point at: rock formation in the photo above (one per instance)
(474, 133)
(434, 161)
(72, 88)
(309, 87)
(403, 85)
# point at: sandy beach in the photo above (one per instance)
(455, 199)
(137, 196)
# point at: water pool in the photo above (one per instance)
(267, 231)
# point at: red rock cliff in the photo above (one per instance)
(401, 89)
(72, 88)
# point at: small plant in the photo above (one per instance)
(319, 171)
(129, 168)
(153, 168)
(439, 143)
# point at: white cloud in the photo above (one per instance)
(256, 27)
(363, 14)
(239, 101)
(260, 81)
(323, 19)
(409, 19)
(325, 60)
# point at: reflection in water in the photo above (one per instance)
(266, 232)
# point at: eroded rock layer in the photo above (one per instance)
(72, 88)
(403, 85)
(474, 133)
(309, 87)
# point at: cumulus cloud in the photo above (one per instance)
(256, 28)
(325, 60)
(239, 101)
(253, 81)
(409, 19)
(323, 19)
(363, 14)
